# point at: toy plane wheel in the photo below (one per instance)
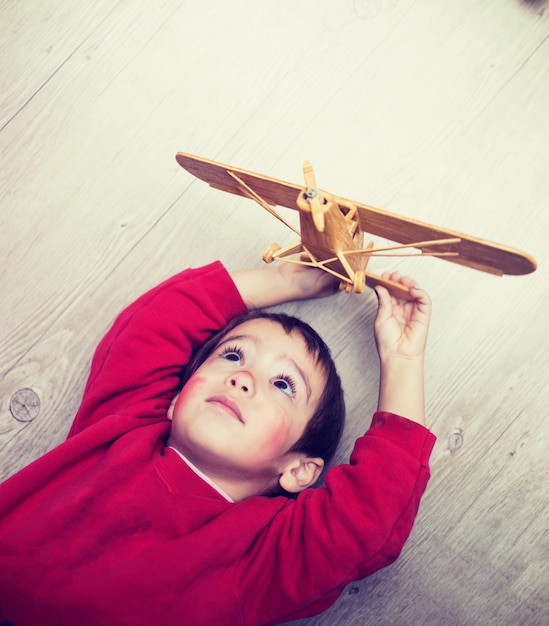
(359, 281)
(268, 255)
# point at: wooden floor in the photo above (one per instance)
(438, 110)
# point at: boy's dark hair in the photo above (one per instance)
(324, 429)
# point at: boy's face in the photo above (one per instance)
(248, 403)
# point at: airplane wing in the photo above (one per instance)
(473, 252)
(275, 192)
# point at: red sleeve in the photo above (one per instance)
(137, 365)
(346, 531)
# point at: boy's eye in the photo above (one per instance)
(232, 354)
(285, 384)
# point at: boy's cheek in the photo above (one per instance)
(190, 388)
(188, 391)
(274, 441)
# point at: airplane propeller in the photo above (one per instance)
(313, 198)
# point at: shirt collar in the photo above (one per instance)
(203, 476)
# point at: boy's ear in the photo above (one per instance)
(170, 410)
(300, 472)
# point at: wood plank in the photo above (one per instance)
(36, 40)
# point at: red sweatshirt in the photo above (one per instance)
(114, 528)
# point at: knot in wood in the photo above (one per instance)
(25, 405)
(455, 440)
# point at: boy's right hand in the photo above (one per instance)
(306, 282)
(282, 282)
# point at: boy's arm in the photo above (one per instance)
(138, 363)
(353, 527)
(401, 333)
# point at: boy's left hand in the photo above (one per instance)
(401, 325)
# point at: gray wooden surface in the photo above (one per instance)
(435, 110)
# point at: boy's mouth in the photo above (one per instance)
(228, 405)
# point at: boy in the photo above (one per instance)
(152, 511)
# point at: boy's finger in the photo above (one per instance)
(383, 297)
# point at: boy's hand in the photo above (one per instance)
(282, 282)
(306, 282)
(401, 333)
(401, 325)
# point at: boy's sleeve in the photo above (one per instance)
(346, 531)
(137, 365)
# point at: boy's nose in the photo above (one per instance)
(242, 381)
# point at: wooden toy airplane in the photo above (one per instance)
(332, 229)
